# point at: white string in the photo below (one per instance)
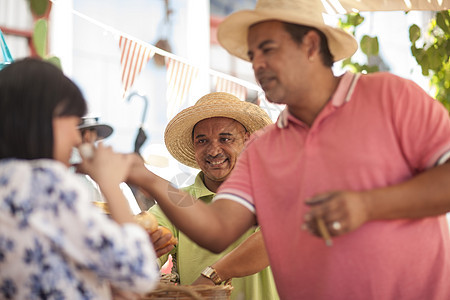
(158, 50)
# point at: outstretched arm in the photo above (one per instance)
(248, 258)
(108, 169)
(425, 195)
(213, 226)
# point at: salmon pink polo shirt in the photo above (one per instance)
(377, 130)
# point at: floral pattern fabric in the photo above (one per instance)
(55, 244)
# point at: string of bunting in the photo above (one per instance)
(180, 73)
(179, 78)
(224, 85)
(132, 59)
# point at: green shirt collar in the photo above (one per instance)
(199, 190)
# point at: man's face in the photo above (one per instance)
(278, 62)
(217, 144)
(89, 135)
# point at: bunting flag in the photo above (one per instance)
(179, 78)
(133, 57)
(225, 85)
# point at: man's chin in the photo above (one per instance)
(272, 98)
(216, 176)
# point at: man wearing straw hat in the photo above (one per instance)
(92, 130)
(209, 136)
(361, 160)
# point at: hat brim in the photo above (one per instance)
(103, 130)
(232, 32)
(178, 133)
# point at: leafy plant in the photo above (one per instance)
(40, 10)
(368, 45)
(38, 7)
(433, 54)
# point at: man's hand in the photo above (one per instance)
(138, 171)
(341, 212)
(202, 280)
(159, 240)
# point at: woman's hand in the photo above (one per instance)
(105, 165)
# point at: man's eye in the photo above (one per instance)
(201, 141)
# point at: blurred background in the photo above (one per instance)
(91, 40)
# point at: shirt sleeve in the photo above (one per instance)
(121, 254)
(238, 186)
(422, 125)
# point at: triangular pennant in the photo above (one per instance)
(225, 85)
(179, 78)
(133, 57)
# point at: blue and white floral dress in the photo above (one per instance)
(55, 244)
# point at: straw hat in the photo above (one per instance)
(178, 134)
(232, 32)
(103, 130)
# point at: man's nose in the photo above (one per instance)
(214, 149)
(258, 63)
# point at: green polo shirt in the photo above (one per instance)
(192, 259)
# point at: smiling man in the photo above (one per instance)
(210, 136)
(365, 156)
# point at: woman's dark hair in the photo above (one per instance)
(32, 93)
(297, 33)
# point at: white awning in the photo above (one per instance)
(348, 6)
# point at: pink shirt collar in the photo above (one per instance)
(342, 95)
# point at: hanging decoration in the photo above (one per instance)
(179, 77)
(180, 73)
(165, 32)
(133, 57)
(225, 85)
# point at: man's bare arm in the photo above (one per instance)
(425, 195)
(248, 258)
(213, 226)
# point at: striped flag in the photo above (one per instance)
(133, 57)
(179, 78)
(225, 85)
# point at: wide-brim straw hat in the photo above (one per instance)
(178, 133)
(103, 130)
(232, 32)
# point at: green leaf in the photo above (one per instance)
(425, 65)
(443, 21)
(447, 47)
(434, 58)
(54, 60)
(355, 19)
(369, 45)
(40, 37)
(414, 33)
(39, 7)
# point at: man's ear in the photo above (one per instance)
(246, 136)
(312, 41)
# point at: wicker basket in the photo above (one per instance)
(190, 292)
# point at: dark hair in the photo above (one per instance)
(32, 93)
(297, 33)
